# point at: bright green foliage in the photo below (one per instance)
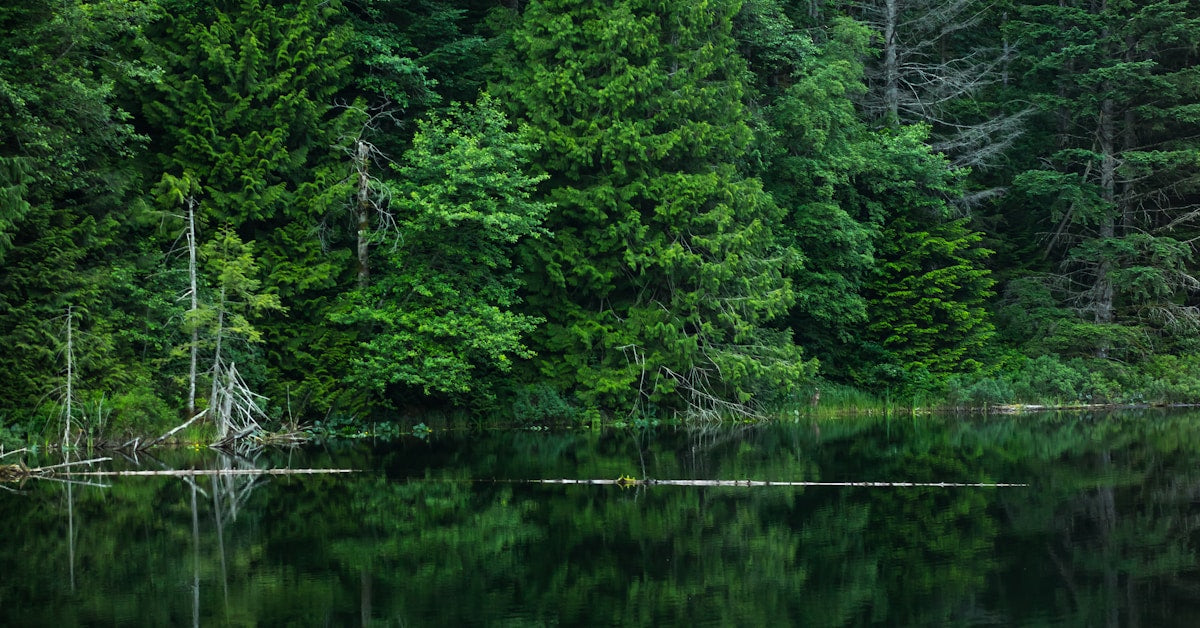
(438, 315)
(665, 263)
(929, 286)
(928, 305)
(236, 290)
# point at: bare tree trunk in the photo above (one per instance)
(891, 67)
(1103, 289)
(195, 304)
(195, 561)
(71, 532)
(220, 417)
(365, 596)
(219, 517)
(70, 378)
(361, 164)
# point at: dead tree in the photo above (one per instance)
(920, 75)
(371, 207)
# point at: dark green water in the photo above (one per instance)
(1106, 535)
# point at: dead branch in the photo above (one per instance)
(172, 432)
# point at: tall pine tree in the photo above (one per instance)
(1117, 185)
(65, 200)
(665, 266)
(246, 108)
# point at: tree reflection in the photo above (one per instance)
(1105, 536)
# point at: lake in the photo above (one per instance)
(447, 530)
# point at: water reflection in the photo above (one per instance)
(438, 533)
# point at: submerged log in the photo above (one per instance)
(20, 472)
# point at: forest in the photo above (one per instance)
(586, 210)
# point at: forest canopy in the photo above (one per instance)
(565, 209)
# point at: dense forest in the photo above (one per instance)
(578, 209)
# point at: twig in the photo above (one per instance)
(66, 481)
(15, 451)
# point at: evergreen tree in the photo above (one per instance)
(245, 107)
(65, 204)
(928, 291)
(665, 266)
(1117, 185)
(438, 313)
(893, 288)
(815, 146)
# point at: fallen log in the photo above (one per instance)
(205, 472)
(625, 481)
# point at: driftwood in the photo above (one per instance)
(204, 472)
(15, 451)
(63, 472)
(19, 472)
(69, 464)
(650, 482)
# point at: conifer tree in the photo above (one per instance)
(814, 147)
(1117, 185)
(665, 266)
(246, 108)
(65, 196)
(438, 313)
(892, 288)
(928, 290)
(938, 62)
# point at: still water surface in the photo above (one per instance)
(443, 532)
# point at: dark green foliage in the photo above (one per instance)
(1117, 186)
(246, 108)
(665, 262)
(703, 202)
(66, 150)
(893, 289)
(413, 53)
(818, 146)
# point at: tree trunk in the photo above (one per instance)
(891, 67)
(220, 416)
(195, 304)
(1103, 288)
(70, 378)
(361, 163)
